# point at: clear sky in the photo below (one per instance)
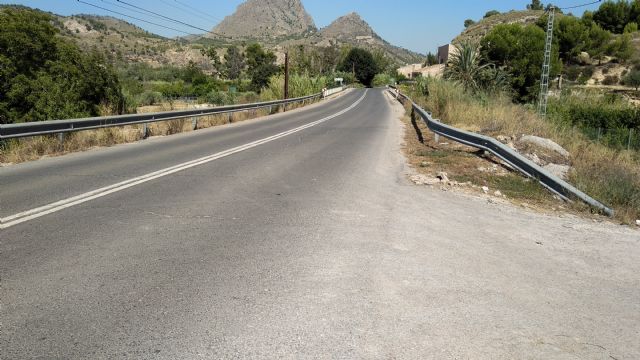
(419, 25)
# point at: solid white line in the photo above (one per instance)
(94, 194)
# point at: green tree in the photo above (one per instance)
(362, 63)
(572, 36)
(468, 23)
(519, 50)
(598, 41)
(46, 77)
(261, 66)
(633, 79)
(491, 13)
(383, 63)
(431, 59)
(234, 63)
(535, 5)
(621, 47)
(613, 16)
(212, 54)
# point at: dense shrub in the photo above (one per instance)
(43, 76)
(610, 80)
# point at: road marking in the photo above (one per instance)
(24, 216)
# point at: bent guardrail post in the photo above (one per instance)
(509, 156)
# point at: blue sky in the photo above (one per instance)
(417, 25)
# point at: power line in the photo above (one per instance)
(578, 6)
(191, 7)
(186, 11)
(135, 18)
(165, 17)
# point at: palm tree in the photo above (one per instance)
(464, 65)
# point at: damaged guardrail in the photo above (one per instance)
(505, 153)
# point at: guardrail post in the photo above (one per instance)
(145, 130)
(61, 139)
(230, 117)
(194, 123)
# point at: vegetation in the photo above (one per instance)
(45, 77)
(633, 79)
(519, 50)
(261, 66)
(468, 23)
(362, 63)
(611, 176)
(491, 13)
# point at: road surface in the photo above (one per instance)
(306, 243)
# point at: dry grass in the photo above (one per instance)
(608, 175)
(27, 149)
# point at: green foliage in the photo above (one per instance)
(261, 66)
(299, 85)
(630, 28)
(464, 65)
(613, 16)
(468, 23)
(491, 13)
(45, 77)
(597, 112)
(573, 37)
(519, 50)
(150, 98)
(621, 47)
(535, 5)
(219, 98)
(234, 63)
(362, 63)
(431, 59)
(633, 79)
(383, 79)
(212, 54)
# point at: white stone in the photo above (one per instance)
(558, 170)
(638, 222)
(497, 193)
(545, 143)
(485, 189)
(442, 176)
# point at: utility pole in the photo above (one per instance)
(546, 65)
(286, 75)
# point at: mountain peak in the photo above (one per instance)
(266, 19)
(349, 26)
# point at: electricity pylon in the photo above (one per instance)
(546, 65)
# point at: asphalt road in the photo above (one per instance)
(311, 245)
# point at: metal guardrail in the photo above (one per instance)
(37, 128)
(505, 153)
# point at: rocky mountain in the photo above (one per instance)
(348, 28)
(266, 19)
(351, 29)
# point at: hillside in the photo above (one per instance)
(352, 30)
(266, 19)
(478, 30)
(277, 24)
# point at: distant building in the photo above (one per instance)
(444, 52)
(413, 71)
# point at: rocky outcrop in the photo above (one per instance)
(257, 19)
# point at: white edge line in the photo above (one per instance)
(34, 213)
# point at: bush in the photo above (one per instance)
(573, 73)
(383, 79)
(150, 98)
(610, 80)
(218, 98)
